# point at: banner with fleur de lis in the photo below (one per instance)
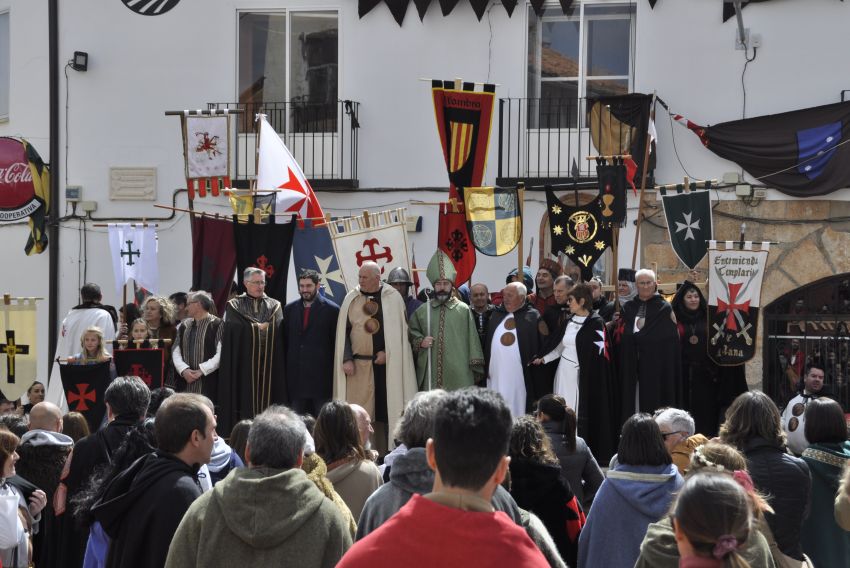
(578, 232)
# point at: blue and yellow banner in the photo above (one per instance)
(494, 218)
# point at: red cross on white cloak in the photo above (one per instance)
(732, 308)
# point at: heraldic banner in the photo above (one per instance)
(380, 237)
(734, 293)
(453, 239)
(145, 362)
(134, 251)
(577, 232)
(267, 247)
(84, 387)
(494, 218)
(612, 192)
(206, 148)
(213, 258)
(689, 224)
(312, 249)
(464, 118)
(17, 341)
(24, 190)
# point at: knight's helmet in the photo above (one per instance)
(399, 275)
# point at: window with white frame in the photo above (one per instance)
(288, 66)
(5, 80)
(583, 53)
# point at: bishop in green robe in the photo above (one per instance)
(446, 347)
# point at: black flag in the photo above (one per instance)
(267, 247)
(612, 193)
(146, 363)
(84, 387)
(689, 224)
(577, 232)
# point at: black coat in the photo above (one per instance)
(579, 467)
(787, 482)
(528, 335)
(650, 357)
(309, 353)
(142, 507)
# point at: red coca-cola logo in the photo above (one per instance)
(16, 187)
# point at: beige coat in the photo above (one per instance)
(355, 480)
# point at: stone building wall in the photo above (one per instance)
(813, 243)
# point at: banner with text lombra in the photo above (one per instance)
(734, 294)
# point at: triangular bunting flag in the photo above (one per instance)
(398, 8)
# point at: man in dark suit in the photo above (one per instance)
(309, 330)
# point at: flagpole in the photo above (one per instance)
(428, 316)
(520, 196)
(643, 181)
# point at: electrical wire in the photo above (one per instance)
(743, 73)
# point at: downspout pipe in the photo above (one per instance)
(52, 223)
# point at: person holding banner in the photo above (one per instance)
(443, 335)
(94, 351)
(197, 348)
(373, 360)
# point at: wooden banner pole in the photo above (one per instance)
(643, 184)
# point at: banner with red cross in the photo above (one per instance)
(379, 237)
(145, 362)
(453, 239)
(266, 246)
(84, 387)
(734, 293)
(206, 150)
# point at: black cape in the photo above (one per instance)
(707, 388)
(142, 507)
(528, 335)
(649, 358)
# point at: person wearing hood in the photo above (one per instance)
(707, 388)
(410, 474)
(637, 492)
(649, 364)
(142, 507)
(222, 460)
(823, 540)
(446, 348)
(44, 450)
(268, 514)
(601, 305)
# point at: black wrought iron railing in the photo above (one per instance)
(548, 139)
(321, 136)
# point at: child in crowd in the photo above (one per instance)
(93, 351)
(139, 330)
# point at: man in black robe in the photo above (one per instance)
(197, 349)
(650, 360)
(514, 322)
(554, 321)
(143, 505)
(309, 331)
(251, 375)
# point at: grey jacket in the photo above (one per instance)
(410, 474)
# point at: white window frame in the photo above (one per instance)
(4, 117)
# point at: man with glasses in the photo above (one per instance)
(197, 348)
(373, 364)
(649, 354)
(252, 371)
(678, 430)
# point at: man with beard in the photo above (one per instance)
(794, 414)
(443, 335)
(400, 280)
(545, 280)
(373, 362)
(481, 309)
(252, 372)
(197, 348)
(650, 361)
(309, 328)
(512, 342)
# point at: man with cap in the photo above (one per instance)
(443, 335)
(399, 279)
(545, 279)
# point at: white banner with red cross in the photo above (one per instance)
(734, 294)
(380, 237)
(206, 149)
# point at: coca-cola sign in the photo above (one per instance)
(17, 193)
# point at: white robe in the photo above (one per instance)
(795, 424)
(506, 373)
(73, 326)
(567, 375)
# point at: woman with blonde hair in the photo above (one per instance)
(94, 351)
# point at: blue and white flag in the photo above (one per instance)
(134, 256)
(312, 249)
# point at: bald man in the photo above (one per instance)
(373, 364)
(43, 452)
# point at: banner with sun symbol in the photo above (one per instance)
(577, 232)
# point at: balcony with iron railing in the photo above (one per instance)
(547, 140)
(321, 136)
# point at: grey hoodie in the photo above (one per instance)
(410, 474)
(261, 517)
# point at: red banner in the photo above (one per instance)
(453, 239)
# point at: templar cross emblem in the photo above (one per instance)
(82, 395)
(386, 253)
(130, 252)
(138, 370)
(457, 245)
(733, 309)
(10, 348)
(263, 264)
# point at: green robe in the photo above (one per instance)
(456, 357)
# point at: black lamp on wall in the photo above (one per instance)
(80, 61)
